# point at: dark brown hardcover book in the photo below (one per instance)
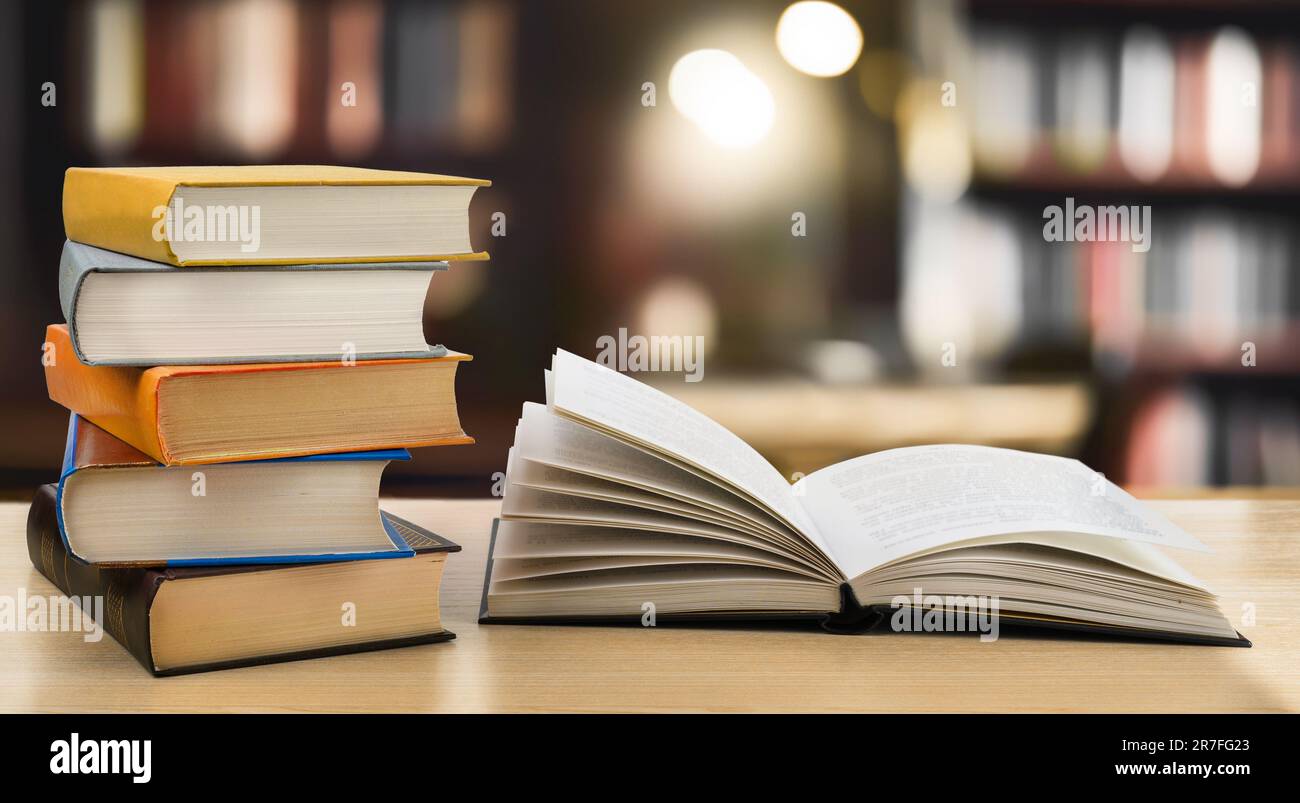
(182, 620)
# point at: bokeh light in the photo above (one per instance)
(818, 38)
(935, 144)
(679, 306)
(728, 103)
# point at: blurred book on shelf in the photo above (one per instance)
(1191, 436)
(1210, 281)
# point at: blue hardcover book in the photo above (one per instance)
(118, 507)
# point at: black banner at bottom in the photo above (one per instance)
(329, 751)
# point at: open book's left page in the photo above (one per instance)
(640, 414)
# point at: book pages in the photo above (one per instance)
(884, 506)
(631, 410)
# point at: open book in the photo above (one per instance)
(621, 502)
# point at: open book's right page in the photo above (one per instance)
(881, 507)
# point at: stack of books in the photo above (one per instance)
(243, 355)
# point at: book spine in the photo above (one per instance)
(852, 617)
(122, 401)
(71, 270)
(116, 211)
(126, 593)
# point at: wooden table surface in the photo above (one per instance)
(518, 668)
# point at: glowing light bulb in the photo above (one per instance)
(727, 102)
(818, 38)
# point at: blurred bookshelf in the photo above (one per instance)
(1192, 110)
(925, 222)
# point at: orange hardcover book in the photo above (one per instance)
(270, 214)
(192, 414)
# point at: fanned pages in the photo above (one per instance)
(621, 500)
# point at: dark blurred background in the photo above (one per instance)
(835, 197)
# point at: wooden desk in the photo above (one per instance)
(501, 668)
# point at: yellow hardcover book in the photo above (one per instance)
(270, 214)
